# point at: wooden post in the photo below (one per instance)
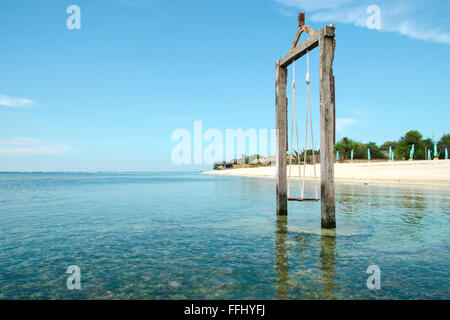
(328, 261)
(282, 258)
(281, 126)
(327, 114)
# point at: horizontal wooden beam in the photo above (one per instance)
(307, 45)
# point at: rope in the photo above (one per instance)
(308, 117)
(306, 126)
(298, 144)
(292, 128)
(308, 80)
(294, 115)
(301, 178)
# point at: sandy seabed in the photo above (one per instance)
(433, 172)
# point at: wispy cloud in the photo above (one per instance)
(21, 146)
(422, 20)
(13, 101)
(342, 123)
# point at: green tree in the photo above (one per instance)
(428, 144)
(385, 146)
(412, 137)
(219, 164)
(344, 148)
(359, 152)
(443, 143)
(346, 145)
(375, 152)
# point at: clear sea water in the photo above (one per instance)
(193, 236)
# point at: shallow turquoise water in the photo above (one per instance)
(186, 235)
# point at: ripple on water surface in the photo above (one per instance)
(191, 236)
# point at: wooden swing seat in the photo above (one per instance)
(303, 199)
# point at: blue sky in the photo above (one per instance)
(108, 96)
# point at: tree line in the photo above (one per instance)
(400, 148)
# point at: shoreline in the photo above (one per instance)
(418, 172)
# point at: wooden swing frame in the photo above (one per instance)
(324, 39)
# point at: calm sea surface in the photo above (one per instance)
(192, 236)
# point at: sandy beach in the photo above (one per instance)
(400, 172)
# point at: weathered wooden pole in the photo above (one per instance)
(282, 258)
(281, 126)
(328, 261)
(327, 121)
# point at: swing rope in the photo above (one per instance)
(309, 112)
(294, 115)
(308, 118)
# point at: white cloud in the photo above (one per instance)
(13, 101)
(20, 146)
(422, 20)
(342, 123)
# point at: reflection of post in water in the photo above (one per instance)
(327, 259)
(281, 258)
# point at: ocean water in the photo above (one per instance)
(193, 236)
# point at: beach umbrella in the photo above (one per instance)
(435, 150)
(368, 154)
(411, 153)
(390, 150)
(429, 154)
(392, 156)
(446, 154)
(337, 155)
(351, 154)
